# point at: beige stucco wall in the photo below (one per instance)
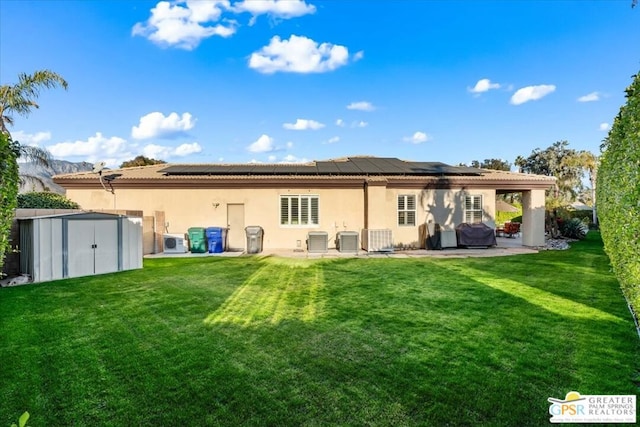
(339, 210)
(445, 207)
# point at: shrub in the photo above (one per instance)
(618, 195)
(8, 190)
(573, 228)
(45, 200)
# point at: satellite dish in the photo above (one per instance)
(98, 167)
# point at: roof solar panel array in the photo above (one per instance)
(350, 166)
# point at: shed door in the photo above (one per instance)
(235, 219)
(80, 238)
(106, 246)
(92, 247)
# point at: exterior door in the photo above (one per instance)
(92, 247)
(236, 237)
(80, 248)
(106, 247)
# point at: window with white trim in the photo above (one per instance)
(473, 209)
(299, 210)
(407, 210)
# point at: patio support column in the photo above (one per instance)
(533, 211)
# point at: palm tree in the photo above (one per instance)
(589, 163)
(20, 99)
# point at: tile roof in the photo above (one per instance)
(334, 170)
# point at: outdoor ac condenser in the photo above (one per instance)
(377, 240)
(347, 241)
(317, 241)
(174, 244)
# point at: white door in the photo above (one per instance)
(80, 248)
(235, 222)
(92, 247)
(106, 246)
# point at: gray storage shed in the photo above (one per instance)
(79, 244)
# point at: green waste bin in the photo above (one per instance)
(197, 240)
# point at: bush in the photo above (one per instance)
(502, 217)
(45, 200)
(618, 195)
(8, 191)
(573, 228)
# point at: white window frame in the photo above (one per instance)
(475, 213)
(405, 219)
(302, 210)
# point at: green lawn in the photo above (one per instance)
(273, 341)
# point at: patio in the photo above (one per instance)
(506, 246)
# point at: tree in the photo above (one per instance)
(560, 162)
(495, 164)
(589, 163)
(20, 99)
(618, 194)
(141, 161)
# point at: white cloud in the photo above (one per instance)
(115, 150)
(290, 158)
(531, 93)
(358, 55)
(187, 149)
(289, 144)
(604, 127)
(340, 122)
(361, 106)
(333, 140)
(590, 97)
(483, 85)
(283, 9)
(262, 145)
(303, 124)
(184, 24)
(272, 158)
(417, 138)
(155, 125)
(31, 138)
(112, 150)
(299, 54)
(360, 124)
(164, 152)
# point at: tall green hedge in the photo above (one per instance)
(9, 180)
(618, 195)
(45, 200)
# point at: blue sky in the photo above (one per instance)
(292, 80)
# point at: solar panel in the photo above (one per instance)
(327, 168)
(348, 168)
(351, 166)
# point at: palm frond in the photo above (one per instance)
(39, 156)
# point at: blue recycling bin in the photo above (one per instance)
(216, 239)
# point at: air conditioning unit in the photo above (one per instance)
(377, 240)
(174, 244)
(347, 241)
(317, 241)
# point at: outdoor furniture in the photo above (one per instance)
(511, 229)
(478, 234)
